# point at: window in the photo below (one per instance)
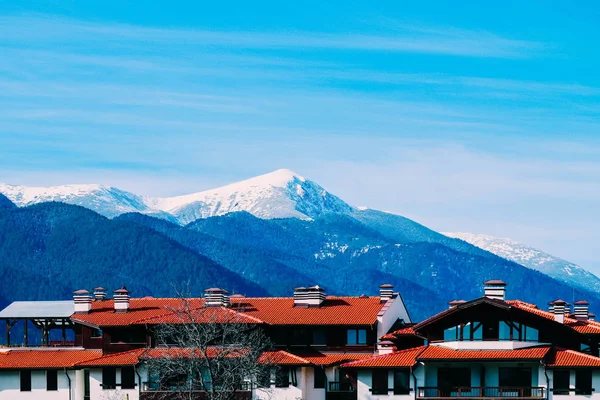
(52, 379)
(452, 377)
(320, 378)
(127, 378)
(477, 335)
(451, 334)
(491, 330)
(357, 336)
(505, 331)
(319, 338)
(96, 333)
(282, 377)
(560, 383)
(25, 377)
(514, 376)
(531, 334)
(264, 378)
(583, 381)
(109, 378)
(401, 381)
(380, 381)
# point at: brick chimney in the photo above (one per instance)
(495, 289)
(581, 310)
(558, 308)
(83, 301)
(386, 292)
(216, 297)
(99, 293)
(121, 299)
(312, 296)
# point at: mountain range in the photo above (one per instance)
(533, 258)
(261, 236)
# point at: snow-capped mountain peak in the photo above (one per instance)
(278, 194)
(532, 258)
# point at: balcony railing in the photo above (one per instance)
(487, 392)
(340, 391)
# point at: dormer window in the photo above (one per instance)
(357, 336)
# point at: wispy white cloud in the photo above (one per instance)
(410, 39)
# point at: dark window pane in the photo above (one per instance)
(109, 378)
(320, 378)
(52, 379)
(319, 337)
(362, 336)
(351, 336)
(561, 380)
(282, 377)
(583, 381)
(25, 377)
(380, 381)
(127, 378)
(401, 381)
(264, 378)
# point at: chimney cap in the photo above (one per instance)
(123, 290)
(81, 292)
(559, 302)
(592, 315)
(316, 287)
(386, 343)
(456, 302)
(581, 303)
(215, 290)
(495, 282)
(99, 289)
(237, 296)
(386, 286)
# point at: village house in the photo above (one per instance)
(93, 347)
(488, 348)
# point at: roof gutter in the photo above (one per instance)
(412, 371)
(69, 379)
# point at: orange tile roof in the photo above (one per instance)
(270, 310)
(402, 358)
(32, 359)
(585, 327)
(333, 311)
(326, 359)
(400, 332)
(445, 353)
(570, 358)
(149, 310)
(131, 357)
(282, 358)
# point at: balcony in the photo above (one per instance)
(501, 392)
(155, 391)
(340, 391)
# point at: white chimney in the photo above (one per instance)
(495, 289)
(581, 310)
(83, 301)
(455, 303)
(385, 347)
(121, 299)
(312, 296)
(216, 297)
(559, 307)
(99, 293)
(386, 292)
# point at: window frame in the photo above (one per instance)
(25, 373)
(128, 385)
(319, 372)
(402, 390)
(282, 377)
(564, 390)
(376, 375)
(356, 334)
(54, 381)
(112, 377)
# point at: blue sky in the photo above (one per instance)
(460, 115)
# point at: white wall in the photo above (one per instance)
(365, 383)
(10, 386)
(288, 393)
(97, 393)
(396, 309)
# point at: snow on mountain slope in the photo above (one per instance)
(105, 200)
(532, 258)
(278, 194)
